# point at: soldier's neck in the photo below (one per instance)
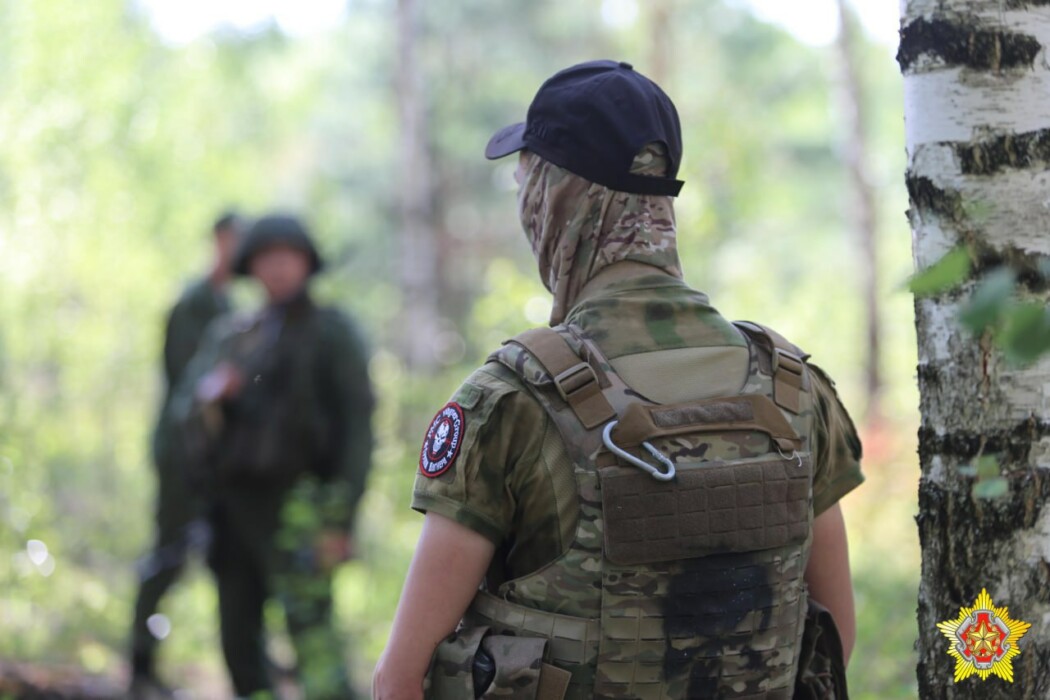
(617, 272)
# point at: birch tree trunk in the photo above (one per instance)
(977, 116)
(862, 205)
(420, 273)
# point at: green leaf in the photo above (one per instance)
(966, 470)
(991, 488)
(1026, 333)
(945, 274)
(987, 467)
(990, 301)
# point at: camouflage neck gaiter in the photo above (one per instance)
(577, 228)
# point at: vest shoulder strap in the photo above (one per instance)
(787, 364)
(573, 377)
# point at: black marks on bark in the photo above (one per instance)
(1025, 4)
(956, 44)
(965, 544)
(928, 197)
(1030, 267)
(993, 155)
(1011, 444)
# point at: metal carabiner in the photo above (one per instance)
(619, 452)
(794, 455)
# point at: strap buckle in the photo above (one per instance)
(789, 362)
(575, 380)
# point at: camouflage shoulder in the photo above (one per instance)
(518, 361)
(492, 379)
(837, 418)
(759, 331)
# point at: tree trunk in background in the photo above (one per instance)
(420, 278)
(862, 205)
(658, 69)
(977, 115)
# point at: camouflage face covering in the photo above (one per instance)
(577, 228)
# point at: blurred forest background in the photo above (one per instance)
(119, 144)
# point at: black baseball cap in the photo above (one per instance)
(593, 119)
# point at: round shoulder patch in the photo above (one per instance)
(444, 437)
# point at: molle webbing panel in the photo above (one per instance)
(707, 509)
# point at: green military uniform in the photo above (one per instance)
(513, 479)
(176, 508)
(288, 456)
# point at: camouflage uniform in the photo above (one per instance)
(176, 507)
(287, 457)
(533, 481)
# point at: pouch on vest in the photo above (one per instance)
(476, 663)
(709, 508)
(822, 664)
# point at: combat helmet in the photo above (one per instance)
(271, 230)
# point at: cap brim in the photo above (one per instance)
(507, 140)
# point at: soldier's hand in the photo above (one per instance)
(223, 382)
(333, 548)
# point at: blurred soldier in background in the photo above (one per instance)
(200, 303)
(279, 406)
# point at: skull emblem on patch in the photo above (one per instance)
(441, 445)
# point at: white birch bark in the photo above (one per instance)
(977, 121)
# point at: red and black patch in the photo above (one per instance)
(443, 440)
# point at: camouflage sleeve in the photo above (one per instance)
(836, 445)
(351, 402)
(501, 429)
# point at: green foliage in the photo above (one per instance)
(945, 274)
(989, 483)
(1025, 335)
(1020, 328)
(117, 149)
(989, 301)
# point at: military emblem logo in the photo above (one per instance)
(984, 640)
(441, 446)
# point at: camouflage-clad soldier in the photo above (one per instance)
(645, 491)
(200, 303)
(280, 404)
